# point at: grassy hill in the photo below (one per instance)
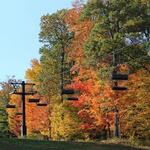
(14, 144)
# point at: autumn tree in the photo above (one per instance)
(38, 118)
(15, 121)
(4, 99)
(83, 42)
(134, 107)
(86, 80)
(5, 91)
(54, 69)
(121, 27)
(33, 72)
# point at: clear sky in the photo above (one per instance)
(19, 29)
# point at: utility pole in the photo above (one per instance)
(116, 122)
(65, 91)
(24, 128)
(116, 117)
(117, 76)
(62, 71)
(23, 94)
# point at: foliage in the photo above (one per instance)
(4, 100)
(86, 40)
(13, 119)
(65, 124)
(33, 73)
(136, 113)
(56, 37)
(121, 27)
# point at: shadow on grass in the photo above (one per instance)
(15, 144)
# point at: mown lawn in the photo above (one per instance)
(14, 144)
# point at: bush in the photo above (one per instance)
(35, 136)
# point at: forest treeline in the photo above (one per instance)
(87, 36)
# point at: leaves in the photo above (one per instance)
(85, 41)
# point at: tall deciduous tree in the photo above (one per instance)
(119, 26)
(56, 37)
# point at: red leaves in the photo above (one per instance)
(37, 118)
(83, 113)
(86, 126)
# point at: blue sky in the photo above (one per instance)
(19, 29)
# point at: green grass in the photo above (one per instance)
(15, 144)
